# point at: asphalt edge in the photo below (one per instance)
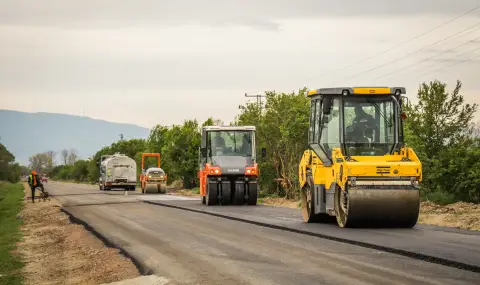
(401, 252)
(142, 267)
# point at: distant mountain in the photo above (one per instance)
(26, 134)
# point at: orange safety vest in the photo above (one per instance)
(33, 178)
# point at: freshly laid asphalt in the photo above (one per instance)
(188, 243)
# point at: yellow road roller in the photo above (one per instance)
(357, 168)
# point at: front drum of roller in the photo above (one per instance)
(364, 207)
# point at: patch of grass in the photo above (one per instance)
(196, 190)
(263, 194)
(11, 203)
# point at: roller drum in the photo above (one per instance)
(151, 188)
(380, 207)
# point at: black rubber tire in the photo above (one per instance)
(252, 195)
(309, 215)
(226, 198)
(212, 196)
(239, 196)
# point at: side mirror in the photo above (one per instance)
(264, 152)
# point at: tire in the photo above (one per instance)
(212, 196)
(226, 194)
(308, 211)
(239, 194)
(252, 194)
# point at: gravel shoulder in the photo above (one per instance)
(55, 251)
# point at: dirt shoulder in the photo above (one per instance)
(458, 215)
(56, 251)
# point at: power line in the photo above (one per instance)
(417, 63)
(419, 50)
(458, 55)
(407, 41)
(455, 63)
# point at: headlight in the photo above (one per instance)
(149, 176)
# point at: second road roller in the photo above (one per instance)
(357, 168)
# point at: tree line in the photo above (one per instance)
(440, 127)
(9, 170)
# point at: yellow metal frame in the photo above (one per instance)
(358, 91)
(362, 166)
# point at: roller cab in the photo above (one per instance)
(228, 170)
(357, 170)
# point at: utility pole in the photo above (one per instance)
(121, 137)
(259, 102)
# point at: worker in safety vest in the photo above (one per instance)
(34, 182)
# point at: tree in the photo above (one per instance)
(41, 163)
(282, 128)
(157, 139)
(64, 154)
(8, 169)
(440, 128)
(181, 152)
(52, 155)
(72, 156)
(440, 119)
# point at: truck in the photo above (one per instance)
(228, 169)
(117, 171)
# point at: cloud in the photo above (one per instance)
(200, 57)
(263, 14)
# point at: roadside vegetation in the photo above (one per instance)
(11, 203)
(439, 126)
(9, 170)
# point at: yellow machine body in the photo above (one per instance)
(378, 189)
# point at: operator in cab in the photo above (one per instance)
(363, 124)
(218, 144)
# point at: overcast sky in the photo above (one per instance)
(161, 62)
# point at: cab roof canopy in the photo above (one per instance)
(358, 91)
(229, 128)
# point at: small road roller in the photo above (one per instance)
(154, 178)
(357, 168)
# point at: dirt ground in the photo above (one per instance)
(459, 215)
(58, 252)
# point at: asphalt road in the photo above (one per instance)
(194, 248)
